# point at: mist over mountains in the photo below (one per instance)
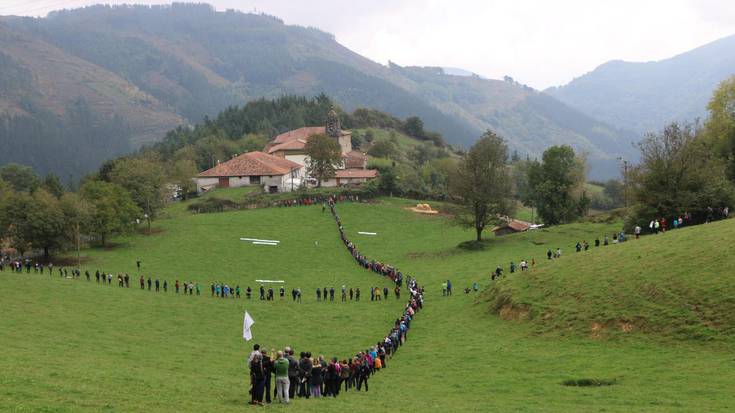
(80, 86)
(645, 96)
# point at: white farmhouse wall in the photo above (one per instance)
(205, 183)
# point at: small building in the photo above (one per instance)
(345, 177)
(273, 173)
(511, 226)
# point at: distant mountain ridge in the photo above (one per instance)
(148, 69)
(644, 97)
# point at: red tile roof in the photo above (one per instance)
(356, 173)
(300, 133)
(251, 164)
(294, 145)
(354, 159)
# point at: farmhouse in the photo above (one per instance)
(511, 226)
(274, 174)
(291, 145)
(350, 177)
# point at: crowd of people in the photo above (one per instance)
(322, 377)
(217, 289)
(317, 199)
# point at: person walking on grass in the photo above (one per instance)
(357, 294)
(280, 367)
(142, 283)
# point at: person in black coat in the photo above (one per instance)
(257, 380)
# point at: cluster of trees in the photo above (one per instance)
(687, 167)
(42, 215)
(487, 184)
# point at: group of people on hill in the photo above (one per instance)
(321, 377)
(317, 199)
(662, 224)
(316, 376)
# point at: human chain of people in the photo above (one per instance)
(321, 377)
(308, 377)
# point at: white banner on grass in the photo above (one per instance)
(260, 240)
(367, 233)
(246, 325)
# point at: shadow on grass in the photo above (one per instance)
(589, 382)
(475, 245)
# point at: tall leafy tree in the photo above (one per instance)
(181, 174)
(5, 197)
(482, 184)
(36, 221)
(325, 155)
(678, 173)
(721, 123)
(144, 179)
(111, 210)
(52, 184)
(556, 185)
(20, 177)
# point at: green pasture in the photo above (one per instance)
(71, 346)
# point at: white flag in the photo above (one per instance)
(247, 323)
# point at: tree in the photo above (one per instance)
(111, 210)
(20, 177)
(52, 184)
(35, 221)
(77, 213)
(325, 155)
(383, 149)
(679, 172)
(482, 184)
(556, 185)
(414, 126)
(387, 181)
(5, 195)
(720, 126)
(181, 174)
(144, 180)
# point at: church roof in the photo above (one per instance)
(251, 164)
(294, 145)
(300, 133)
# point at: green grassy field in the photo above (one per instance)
(71, 346)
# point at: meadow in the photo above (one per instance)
(70, 345)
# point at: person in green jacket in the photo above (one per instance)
(282, 382)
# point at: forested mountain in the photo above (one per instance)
(140, 71)
(644, 97)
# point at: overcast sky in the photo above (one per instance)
(540, 43)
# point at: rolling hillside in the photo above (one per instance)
(645, 96)
(673, 285)
(152, 68)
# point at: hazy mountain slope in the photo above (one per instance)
(645, 96)
(155, 67)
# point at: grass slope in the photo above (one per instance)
(73, 346)
(675, 284)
